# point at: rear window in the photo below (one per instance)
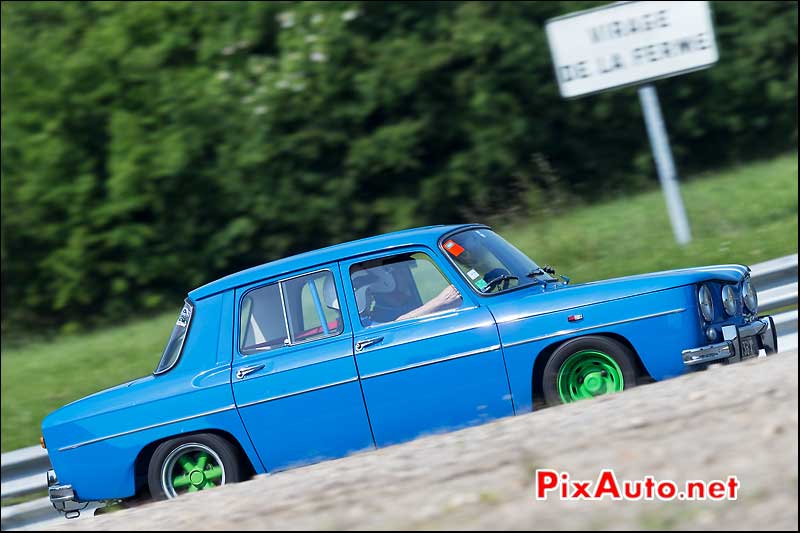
(172, 351)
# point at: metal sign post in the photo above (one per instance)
(662, 154)
(635, 43)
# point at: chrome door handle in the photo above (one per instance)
(360, 345)
(242, 372)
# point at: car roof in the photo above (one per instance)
(427, 235)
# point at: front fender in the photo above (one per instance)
(659, 325)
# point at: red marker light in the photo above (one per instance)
(574, 318)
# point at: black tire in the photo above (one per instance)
(621, 354)
(227, 455)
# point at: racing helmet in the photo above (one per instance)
(369, 281)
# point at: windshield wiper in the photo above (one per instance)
(539, 271)
(548, 271)
(498, 279)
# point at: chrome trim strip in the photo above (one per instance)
(517, 318)
(706, 354)
(152, 426)
(433, 361)
(312, 389)
(607, 324)
(288, 340)
(317, 271)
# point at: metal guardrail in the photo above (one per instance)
(776, 282)
(23, 471)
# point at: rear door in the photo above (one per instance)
(428, 356)
(294, 375)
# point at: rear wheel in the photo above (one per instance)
(192, 463)
(586, 367)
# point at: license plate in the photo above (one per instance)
(749, 347)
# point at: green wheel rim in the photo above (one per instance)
(587, 374)
(190, 468)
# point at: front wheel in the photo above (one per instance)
(190, 464)
(587, 367)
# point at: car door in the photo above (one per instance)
(427, 360)
(294, 375)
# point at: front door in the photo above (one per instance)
(294, 376)
(428, 355)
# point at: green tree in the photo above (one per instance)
(150, 147)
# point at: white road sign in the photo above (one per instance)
(625, 43)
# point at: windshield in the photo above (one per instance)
(489, 263)
(175, 344)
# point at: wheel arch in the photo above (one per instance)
(145, 454)
(544, 355)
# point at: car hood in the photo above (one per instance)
(536, 300)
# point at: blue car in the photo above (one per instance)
(375, 342)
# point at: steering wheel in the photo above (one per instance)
(501, 276)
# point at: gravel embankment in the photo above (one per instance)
(739, 419)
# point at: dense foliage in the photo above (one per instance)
(148, 148)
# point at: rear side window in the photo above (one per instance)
(293, 311)
(262, 321)
(312, 307)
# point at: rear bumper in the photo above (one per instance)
(61, 496)
(762, 330)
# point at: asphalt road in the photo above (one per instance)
(730, 420)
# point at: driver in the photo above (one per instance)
(448, 298)
(384, 301)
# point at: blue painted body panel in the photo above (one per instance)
(441, 371)
(105, 469)
(110, 428)
(523, 342)
(324, 399)
(305, 404)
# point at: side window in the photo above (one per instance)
(261, 320)
(400, 287)
(311, 312)
(312, 307)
